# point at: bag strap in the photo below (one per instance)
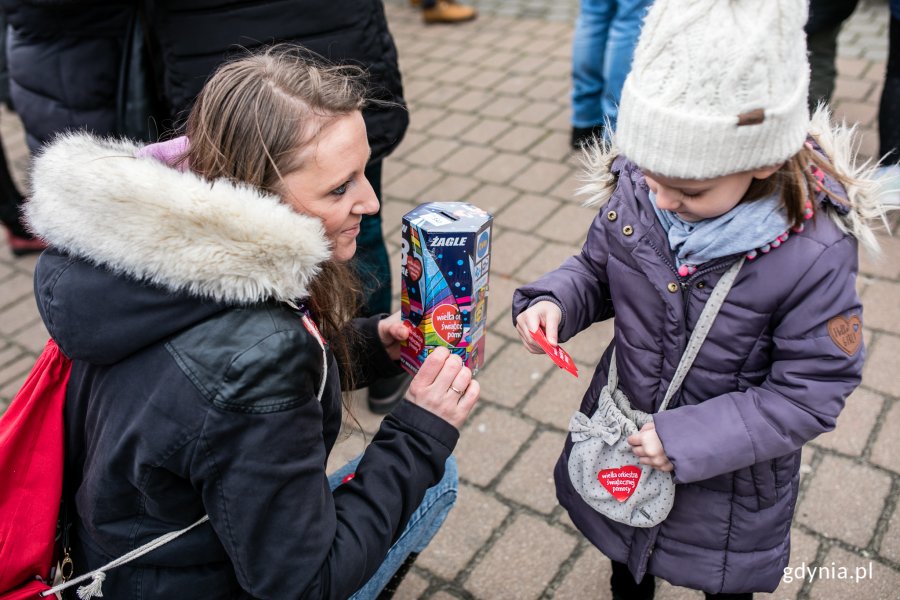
(701, 329)
(698, 336)
(98, 575)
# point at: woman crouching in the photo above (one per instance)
(201, 288)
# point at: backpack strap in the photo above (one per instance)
(314, 331)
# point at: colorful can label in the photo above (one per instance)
(445, 264)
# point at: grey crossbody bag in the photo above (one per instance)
(602, 468)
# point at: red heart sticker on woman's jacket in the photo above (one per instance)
(620, 482)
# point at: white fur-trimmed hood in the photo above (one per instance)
(93, 199)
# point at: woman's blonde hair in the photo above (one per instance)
(248, 124)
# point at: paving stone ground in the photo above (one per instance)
(489, 124)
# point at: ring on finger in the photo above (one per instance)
(456, 390)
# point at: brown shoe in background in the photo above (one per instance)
(448, 11)
(415, 2)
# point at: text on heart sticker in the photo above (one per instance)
(846, 333)
(620, 482)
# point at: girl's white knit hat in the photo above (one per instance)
(716, 87)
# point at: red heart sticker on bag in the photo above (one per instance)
(620, 482)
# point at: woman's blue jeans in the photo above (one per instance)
(606, 33)
(423, 524)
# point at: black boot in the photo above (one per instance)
(582, 136)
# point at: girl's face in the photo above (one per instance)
(331, 184)
(697, 199)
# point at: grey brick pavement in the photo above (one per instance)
(489, 111)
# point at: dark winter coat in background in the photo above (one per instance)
(65, 61)
(195, 36)
(768, 379)
(196, 388)
(69, 67)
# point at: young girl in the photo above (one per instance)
(200, 287)
(719, 162)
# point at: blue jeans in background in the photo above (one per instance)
(606, 33)
(423, 524)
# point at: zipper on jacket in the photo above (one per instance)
(686, 283)
(719, 264)
(684, 302)
(665, 259)
(682, 283)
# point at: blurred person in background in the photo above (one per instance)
(889, 110)
(826, 19)
(18, 237)
(134, 69)
(602, 48)
(444, 11)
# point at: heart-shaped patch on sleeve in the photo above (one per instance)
(620, 482)
(846, 333)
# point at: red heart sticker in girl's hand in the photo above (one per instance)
(556, 353)
(620, 482)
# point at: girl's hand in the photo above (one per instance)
(544, 314)
(392, 331)
(444, 387)
(647, 445)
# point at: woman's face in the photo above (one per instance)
(331, 183)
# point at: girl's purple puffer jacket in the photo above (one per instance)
(768, 379)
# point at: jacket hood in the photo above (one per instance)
(868, 195)
(93, 199)
(100, 317)
(140, 251)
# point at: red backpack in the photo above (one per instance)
(31, 471)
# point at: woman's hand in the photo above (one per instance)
(544, 314)
(444, 387)
(647, 445)
(392, 331)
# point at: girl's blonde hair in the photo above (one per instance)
(797, 184)
(868, 195)
(248, 125)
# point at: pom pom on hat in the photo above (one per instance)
(716, 87)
